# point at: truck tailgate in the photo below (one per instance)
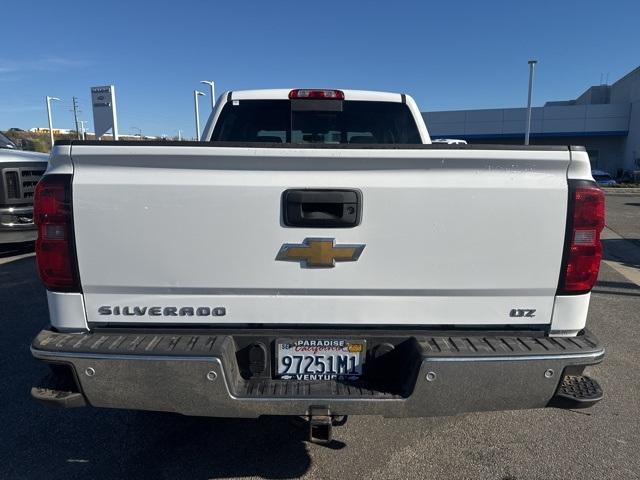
(172, 234)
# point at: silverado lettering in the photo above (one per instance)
(162, 311)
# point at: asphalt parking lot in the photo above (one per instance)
(599, 443)
(622, 215)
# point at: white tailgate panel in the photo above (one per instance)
(452, 236)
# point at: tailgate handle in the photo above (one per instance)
(321, 208)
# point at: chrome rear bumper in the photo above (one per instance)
(199, 374)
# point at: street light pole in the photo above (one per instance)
(197, 94)
(139, 131)
(82, 129)
(527, 132)
(213, 92)
(75, 115)
(49, 116)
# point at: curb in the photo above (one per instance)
(621, 191)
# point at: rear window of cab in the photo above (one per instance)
(319, 121)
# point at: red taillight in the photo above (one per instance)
(583, 251)
(54, 246)
(317, 94)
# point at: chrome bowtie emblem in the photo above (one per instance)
(319, 253)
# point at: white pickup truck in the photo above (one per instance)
(317, 256)
(19, 174)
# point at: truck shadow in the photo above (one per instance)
(617, 288)
(11, 249)
(143, 445)
(626, 252)
(105, 444)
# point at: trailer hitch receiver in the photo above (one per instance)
(320, 425)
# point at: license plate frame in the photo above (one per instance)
(319, 355)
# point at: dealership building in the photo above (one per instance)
(605, 119)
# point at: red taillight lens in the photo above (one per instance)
(54, 247)
(583, 251)
(317, 94)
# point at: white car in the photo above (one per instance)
(318, 255)
(604, 179)
(450, 141)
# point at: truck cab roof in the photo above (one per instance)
(399, 111)
(283, 94)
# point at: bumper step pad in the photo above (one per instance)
(180, 343)
(58, 398)
(59, 389)
(577, 391)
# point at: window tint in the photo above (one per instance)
(354, 122)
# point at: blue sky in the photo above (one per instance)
(447, 55)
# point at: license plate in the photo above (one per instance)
(320, 359)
